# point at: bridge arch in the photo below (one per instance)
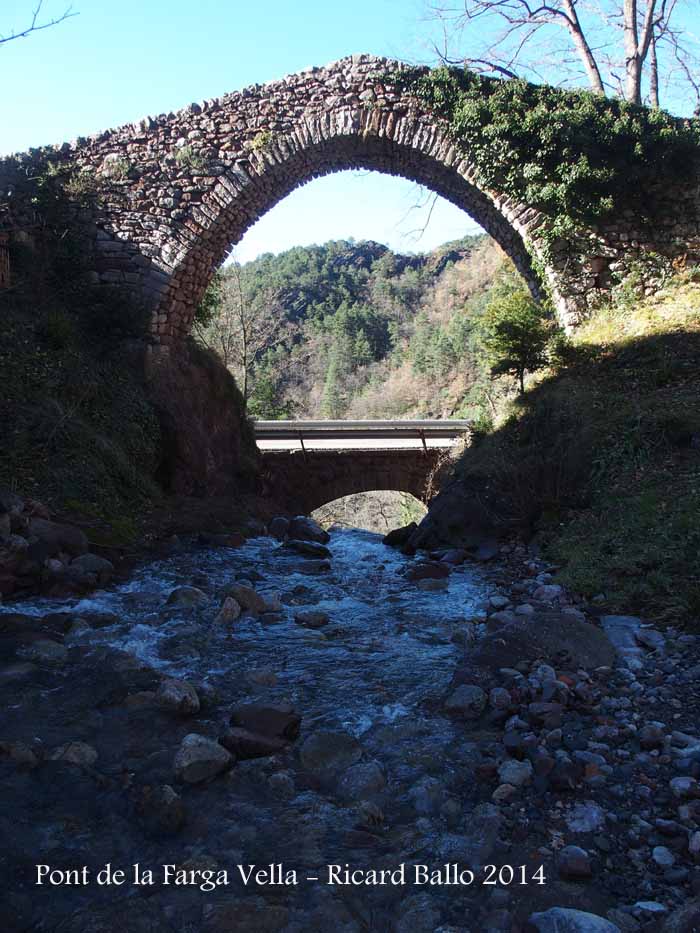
(178, 190)
(305, 481)
(319, 146)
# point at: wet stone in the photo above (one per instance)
(200, 759)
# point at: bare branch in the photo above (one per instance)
(36, 25)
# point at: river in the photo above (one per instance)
(389, 782)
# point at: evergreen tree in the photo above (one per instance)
(516, 334)
(332, 403)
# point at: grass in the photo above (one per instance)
(76, 428)
(600, 458)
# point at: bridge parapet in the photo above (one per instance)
(307, 464)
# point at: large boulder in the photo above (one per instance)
(244, 744)
(328, 750)
(247, 598)
(186, 597)
(57, 537)
(567, 920)
(199, 759)
(362, 780)
(457, 515)
(279, 527)
(304, 528)
(307, 548)
(467, 701)
(399, 536)
(102, 568)
(558, 638)
(177, 696)
(276, 722)
(427, 570)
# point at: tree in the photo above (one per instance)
(614, 44)
(240, 323)
(36, 24)
(332, 402)
(515, 335)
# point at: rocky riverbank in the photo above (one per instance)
(308, 700)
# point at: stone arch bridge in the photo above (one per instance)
(356, 456)
(178, 190)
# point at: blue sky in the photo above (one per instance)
(118, 61)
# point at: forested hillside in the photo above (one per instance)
(353, 330)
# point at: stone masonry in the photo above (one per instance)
(177, 191)
(305, 481)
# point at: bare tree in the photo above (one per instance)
(247, 324)
(36, 24)
(615, 45)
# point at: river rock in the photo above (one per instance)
(399, 536)
(186, 597)
(44, 651)
(307, 548)
(247, 598)
(230, 610)
(277, 722)
(246, 745)
(19, 753)
(685, 919)
(102, 568)
(574, 864)
(567, 920)
(199, 759)
(547, 592)
(476, 846)
(161, 809)
(543, 635)
(652, 735)
(467, 701)
(361, 780)
(517, 773)
(585, 817)
(432, 586)
(312, 567)
(455, 556)
(311, 618)
(329, 750)
(58, 537)
(76, 753)
(427, 570)
(307, 529)
(486, 550)
(177, 696)
(279, 527)
(504, 793)
(622, 632)
(663, 857)
(650, 638)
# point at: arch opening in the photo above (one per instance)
(378, 511)
(237, 201)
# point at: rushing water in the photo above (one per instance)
(377, 671)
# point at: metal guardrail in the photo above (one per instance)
(300, 431)
(361, 430)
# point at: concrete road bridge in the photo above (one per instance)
(310, 463)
